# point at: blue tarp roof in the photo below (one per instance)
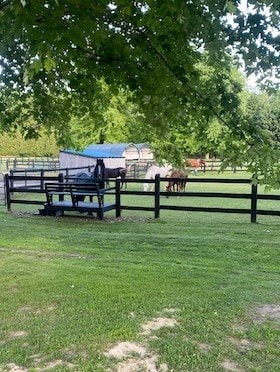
(113, 148)
(108, 150)
(93, 153)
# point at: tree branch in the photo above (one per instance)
(183, 80)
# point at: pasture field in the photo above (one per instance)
(187, 292)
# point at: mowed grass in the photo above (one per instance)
(203, 286)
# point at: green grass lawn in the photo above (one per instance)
(187, 292)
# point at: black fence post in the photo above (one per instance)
(133, 167)
(118, 198)
(254, 198)
(11, 181)
(42, 185)
(60, 180)
(157, 195)
(7, 189)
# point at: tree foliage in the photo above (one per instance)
(153, 47)
(16, 145)
(173, 55)
(263, 147)
(110, 118)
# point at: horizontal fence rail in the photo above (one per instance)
(252, 196)
(29, 162)
(138, 169)
(36, 184)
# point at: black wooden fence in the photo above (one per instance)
(15, 184)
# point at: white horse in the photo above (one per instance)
(152, 171)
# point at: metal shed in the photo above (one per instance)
(87, 157)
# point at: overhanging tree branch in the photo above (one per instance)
(183, 80)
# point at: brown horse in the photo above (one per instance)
(195, 164)
(179, 181)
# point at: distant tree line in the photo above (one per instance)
(15, 145)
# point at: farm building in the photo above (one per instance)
(114, 155)
(87, 157)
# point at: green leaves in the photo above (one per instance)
(49, 64)
(173, 56)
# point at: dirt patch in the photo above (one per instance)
(14, 368)
(17, 334)
(204, 347)
(36, 358)
(149, 364)
(267, 311)
(134, 357)
(246, 345)
(125, 349)
(228, 365)
(158, 323)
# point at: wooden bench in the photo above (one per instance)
(63, 197)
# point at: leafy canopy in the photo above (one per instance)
(152, 47)
(173, 55)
